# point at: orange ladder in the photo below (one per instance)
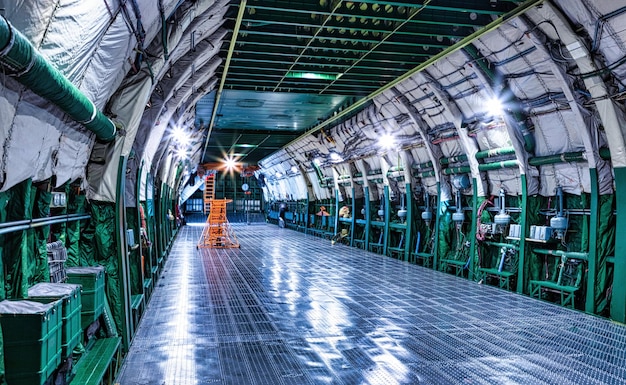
(209, 192)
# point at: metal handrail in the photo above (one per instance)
(25, 224)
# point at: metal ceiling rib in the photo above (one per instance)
(260, 123)
(350, 39)
(311, 39)
(240, 13)
(341, 50)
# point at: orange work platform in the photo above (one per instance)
(217, 231)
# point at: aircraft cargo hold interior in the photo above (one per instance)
(312, 192)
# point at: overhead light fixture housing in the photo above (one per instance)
(312, 75)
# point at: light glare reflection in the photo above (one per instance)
(387, 141)
(494, 106)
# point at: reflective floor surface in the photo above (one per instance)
(289, 308)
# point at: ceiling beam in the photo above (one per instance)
(487, 11)
(235, 131)
(407, 43)
(320, 65)
(298, 82)
(387, 58)
(233, 41)
(349, 48)
(350, 92)
(412, 29)
(267, 72)
(263, 141)
(363, 80)
(337, 89)
(380, 15)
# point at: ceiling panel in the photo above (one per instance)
(296, 63)
(251, 125)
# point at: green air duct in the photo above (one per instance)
(566, 157)
(420, 166)
(453, 159)
(558, 158)
(482, 167)
(495, 152)
(567, 254)
(535, 161)
(479, 155)
(457, 170)
(498, 165)
(20, 59)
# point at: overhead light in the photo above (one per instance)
(243, 145)
(180, 136)
(230, 163)
(294, 169)
(279, 174)
(387, 141)
(312, 75)
(494, 106)
(335, 157)
(317, 161)
(182, 153)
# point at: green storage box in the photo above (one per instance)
(31, 333)
(92, 297)
(69, 294)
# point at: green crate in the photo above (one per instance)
(31, 333)
(92, 297)
(69, 294)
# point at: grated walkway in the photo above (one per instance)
(288, 309)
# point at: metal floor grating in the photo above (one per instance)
(288, 308)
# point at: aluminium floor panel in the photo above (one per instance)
(292, 309)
